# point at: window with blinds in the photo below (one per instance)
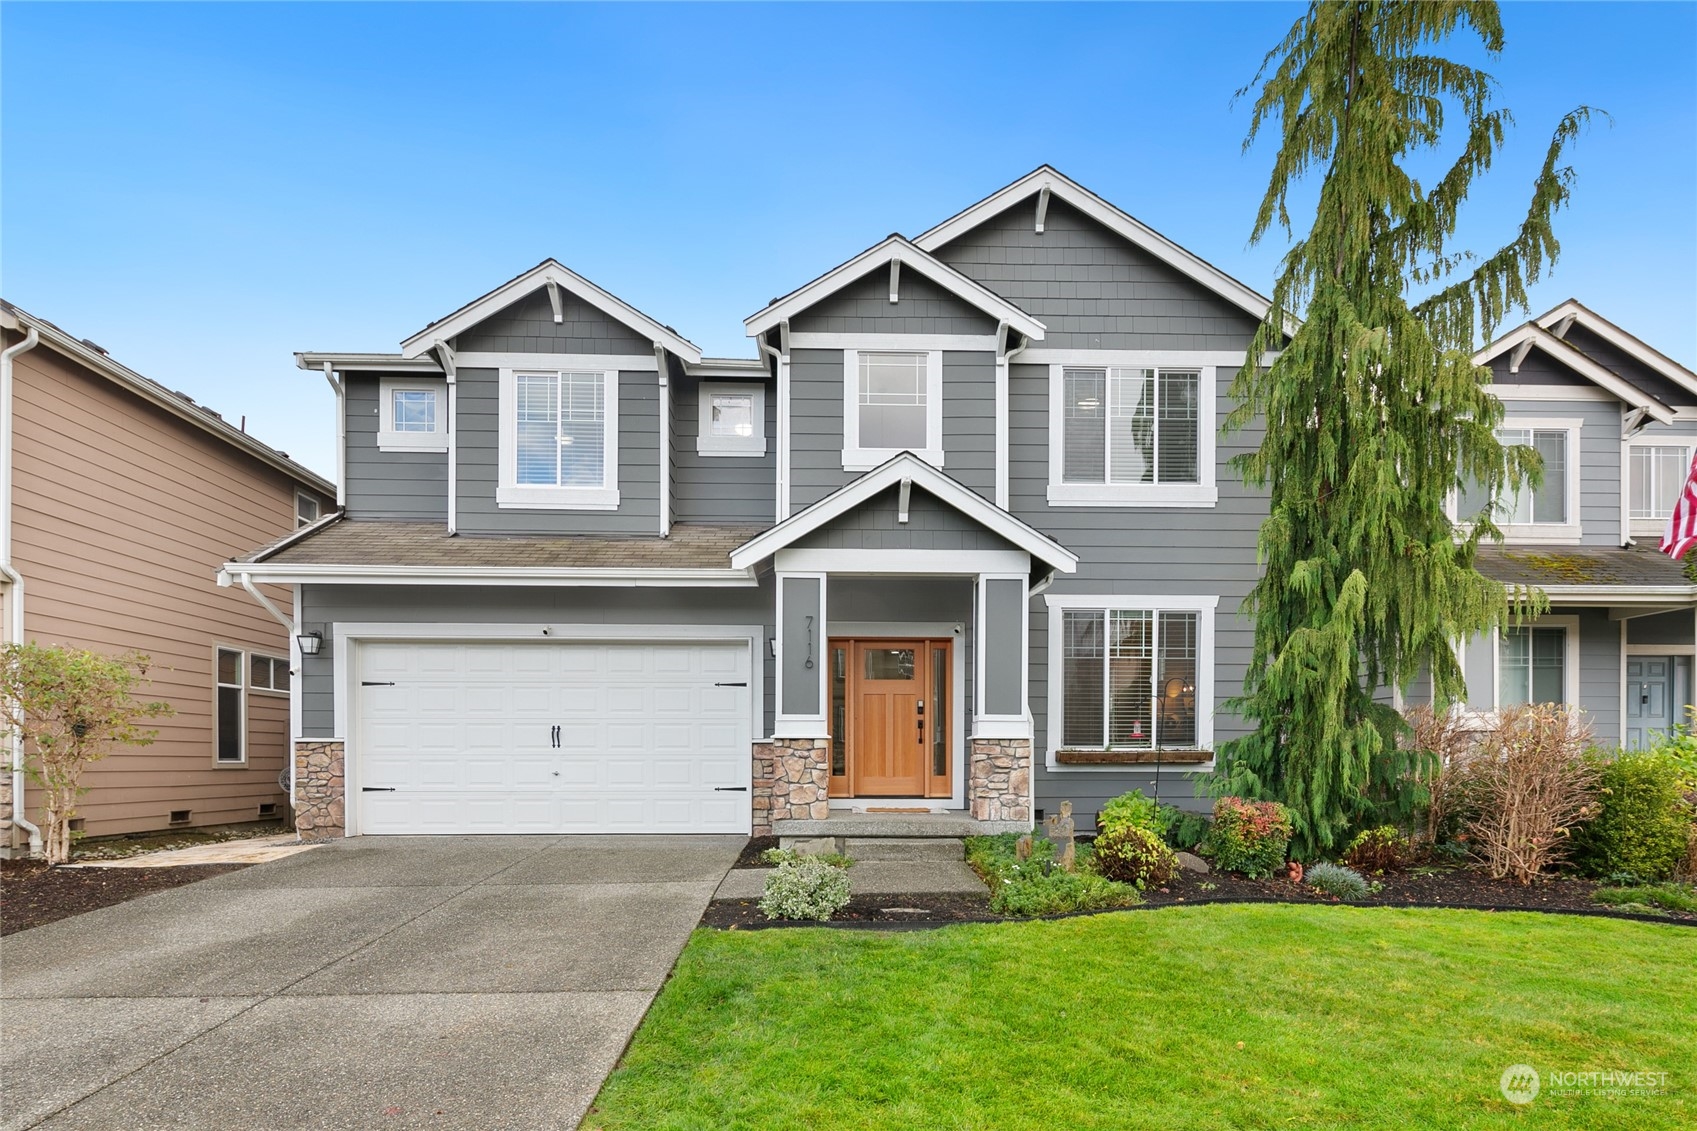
(1545, 504)
(1657, 477)
(561, 429)
(1127, 426)
(1129, 678)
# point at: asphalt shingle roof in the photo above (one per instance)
(356, 542)
(1580, 565)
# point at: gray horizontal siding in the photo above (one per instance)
(931, 525)
(393, 485)
(323, 607)
(1599, 673)
(528, 326)
(864, 307)
(479, 464)
(740, 489)
(1089, 791)
(1092, 289)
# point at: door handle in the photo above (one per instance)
(730, 789)
(554, 737)
(377, 789)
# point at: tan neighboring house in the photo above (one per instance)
(120, 498)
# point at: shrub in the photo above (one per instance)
(1377, 851)
(1250, 837)
(1055, 893)
(1446, 738)
(775, 856)
(1134, 856)
(1131, 811)
(1187, 830)
(1528, 785)
(804, 889)
(1336, 881)
(1644, 821)
(1671, 897)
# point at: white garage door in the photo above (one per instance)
(551, 737)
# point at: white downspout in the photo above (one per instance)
(450, 370)
(15, 598)
(289, 626)
(781, 361)
(341, 390)
(665, 440)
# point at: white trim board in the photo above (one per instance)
(899, 250)
(952, 563)
(624, 363)
(918, 343)
(924, 476)
(288, 573)
(549, 272)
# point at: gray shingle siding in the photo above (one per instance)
(720, 488)
(864, 307)
(1627, 366)
(528, 326)
(479, 464)
(1536, 368)
(1092, 289)
(390, 485)
(325, 606)
(969, 420)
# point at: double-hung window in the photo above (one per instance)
(1549, 511)
(1532, 666)
(559, 440)
(893, 402)
(1131, 675)
(1131, 436)
(412, 416)
(1656, 475)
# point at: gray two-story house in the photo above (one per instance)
(959, 539)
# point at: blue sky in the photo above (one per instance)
(203, 189)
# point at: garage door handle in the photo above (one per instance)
(730, 789)
(742, 684)
(377, 789)
(377, 683)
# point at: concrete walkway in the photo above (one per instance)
(440, 982)
(249, 850)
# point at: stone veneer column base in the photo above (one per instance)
(320, 790)
(998, 783)
(7, 836)
(792, 781)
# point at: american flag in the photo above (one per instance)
(1682, 523)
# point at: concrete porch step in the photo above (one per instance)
(948, 826)
(897, 848)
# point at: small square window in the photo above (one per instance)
(268, 673)
(732, 420)
(307, 508)
(410, 416)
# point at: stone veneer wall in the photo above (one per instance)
(998, 783)
(792, 780)
(6, 838)
(320, 790)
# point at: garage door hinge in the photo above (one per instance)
(744, 683)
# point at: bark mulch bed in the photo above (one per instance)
(1458, 889)
(32, 893)
(751, 851)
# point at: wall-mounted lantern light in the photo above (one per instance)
(310, 643)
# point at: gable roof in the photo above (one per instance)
(1531, 335)
(538, 277)
(898, 249)
(888, 474)
(1572, 311)
(1049, 180)
(94, 358)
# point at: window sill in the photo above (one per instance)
(411, 442)
(227, 764)
(1157, 495)
(865, 459)
(1648, 527)
(753, 449)
(1133, 757)
(1541, 534)
(558, 498)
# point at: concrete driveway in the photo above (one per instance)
(441, 982)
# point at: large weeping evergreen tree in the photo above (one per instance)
(1373, 411)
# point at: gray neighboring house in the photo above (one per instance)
(960, 539)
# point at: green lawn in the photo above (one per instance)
(1205, 1017)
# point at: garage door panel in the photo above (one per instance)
(465, 737)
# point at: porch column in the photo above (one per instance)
(792, 773)
(999, 781)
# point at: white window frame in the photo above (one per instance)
(241, 686)
(1650, 527)
(273, 661)
(510, 495)
(1203, 493)
(1544, 533)
(1569, 662)
(857, 458)
(1205, 607)
(707, 444)
(389, 440)
(317, 504)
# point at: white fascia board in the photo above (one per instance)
(1116, 221)
(284, 573)
(549, 271)
(1619, 594)
(1623, 341)
(904, 466)
(730, 368)
(897, 249)
(1570, 356)
(314, 362)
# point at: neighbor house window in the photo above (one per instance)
(732, 420)
(892, 403)
(559, 440)
(268, 673)
(229, 708)
(1657, 477)
(1532, 666)
(306, 508)
(1547, 511)
(411, 416)
(1131, 435)
(1132, 678)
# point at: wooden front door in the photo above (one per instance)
(890, 715)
